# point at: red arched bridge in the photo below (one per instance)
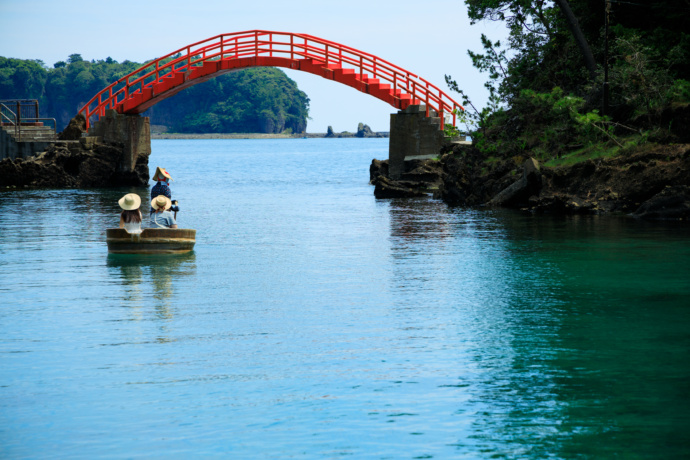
(201, 61)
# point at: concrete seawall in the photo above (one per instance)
(9, 148)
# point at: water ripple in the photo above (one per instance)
(315, 321)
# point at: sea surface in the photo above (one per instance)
(313, 321)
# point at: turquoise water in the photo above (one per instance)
(314, 321)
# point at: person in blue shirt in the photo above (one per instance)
(161, 217)
(162, 186)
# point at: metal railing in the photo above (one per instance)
(271, 44)
(21, 115)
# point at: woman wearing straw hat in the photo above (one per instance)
(161, 217)
(162, 186)
(130, 218)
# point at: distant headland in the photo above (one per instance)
(363, 131)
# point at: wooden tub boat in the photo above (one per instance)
(150, 241)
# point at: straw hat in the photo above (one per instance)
(161, 202)
(161, 174)
(130, 202)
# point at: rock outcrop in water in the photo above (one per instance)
(651, 183)
(673, 202)
(529, 184)
(420, 178)
(362, 131)
(74, 162)
(365, 131)
(74, 130)
(72, 166)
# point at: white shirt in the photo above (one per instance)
(133, 227)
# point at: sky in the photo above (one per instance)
(429, 38)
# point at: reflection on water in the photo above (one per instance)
(158, 273)
(562, 348)
(315, 321)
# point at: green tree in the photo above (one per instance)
(22, 79)
(561, 45)
(252, 100)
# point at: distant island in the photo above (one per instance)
(363, 131)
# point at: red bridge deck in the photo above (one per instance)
(201, 61)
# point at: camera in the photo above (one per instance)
(174, 207)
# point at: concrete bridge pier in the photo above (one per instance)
(413, 135)
(133, 132)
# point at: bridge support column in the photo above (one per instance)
(133, 132)
(413, 135)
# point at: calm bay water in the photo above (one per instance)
(314, 321)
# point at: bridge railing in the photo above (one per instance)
(256, 43)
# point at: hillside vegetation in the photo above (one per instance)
(256, 100)
(566, 88)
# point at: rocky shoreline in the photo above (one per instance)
(74, 161)
(650, 182)
(72, 165)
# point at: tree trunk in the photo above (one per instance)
(579, 37)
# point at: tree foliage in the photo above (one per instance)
(254, 100)
(250, 100)
(22, 79)
(545, 63)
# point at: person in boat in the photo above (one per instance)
(174, 208)
(162, 187)
(161, 217)
(130, 217)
